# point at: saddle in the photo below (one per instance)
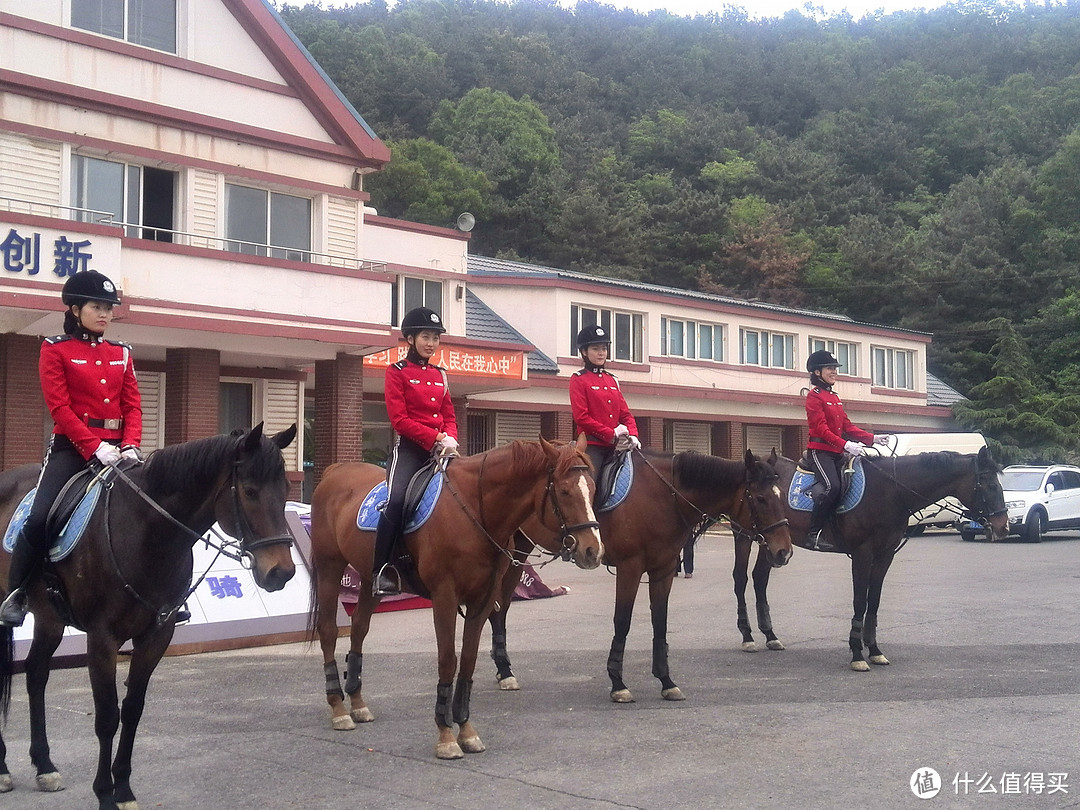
(805, 485)
(420, 496)
(68, 516)
(613, 481)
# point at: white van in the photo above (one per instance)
(946, 513)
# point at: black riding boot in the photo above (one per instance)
(385, 579)
(24, 567)
(815, 536)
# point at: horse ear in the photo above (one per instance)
(285, 438)
(582, 443)
(751, 459)
(251, 441)
(773, 458)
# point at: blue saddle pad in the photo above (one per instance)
(367, 519)
(624, 479)
(72, 532)
(800, 500)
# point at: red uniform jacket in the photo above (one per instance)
(418, 402)
(829, 425)
(598, 407)
(86, 381)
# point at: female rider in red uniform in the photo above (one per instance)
(831, 435)
(422, 415)
(91, 391)
(596, 401)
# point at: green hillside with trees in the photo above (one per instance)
(917, 169)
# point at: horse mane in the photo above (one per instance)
(529, 458)
(195, 462)
(695, 470)
(939, 460)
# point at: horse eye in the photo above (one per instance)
(251, 492)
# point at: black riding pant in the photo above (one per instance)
(829, 467)
(599, 455)
(406, 459)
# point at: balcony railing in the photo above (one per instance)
(155, 234)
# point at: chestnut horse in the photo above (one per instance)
(873, 531)
(671, 498)
(131, 571)
(460, 553)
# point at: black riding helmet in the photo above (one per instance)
(419, 320)
(592, 336)
(821, 359)
(89, 285)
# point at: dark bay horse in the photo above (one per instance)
(132, 570)
(460, 554)
(669, 499)
(873, 532)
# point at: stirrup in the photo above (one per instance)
(816, 541)
(387, 582)
(13, 610)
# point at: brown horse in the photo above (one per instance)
(671, 497)
(460, 553)
(873, 531)
(131, 571)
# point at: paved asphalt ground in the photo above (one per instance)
(984, 641)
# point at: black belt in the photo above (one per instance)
(107, 424)
(819, 440)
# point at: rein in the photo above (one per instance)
(223, 547)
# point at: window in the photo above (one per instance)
(410, 293)
(846, 353)
(235, 406)
(691, 339)
(768, 349)
(133, 195)
(144, 22)
(267, 223)
(626, 330)
(892, 368)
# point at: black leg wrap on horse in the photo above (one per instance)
(462, 696)
(354, 665)
(660, 658)
(333, 682)
(499, 654)
(615, 666)
(443, 717)
(855, 639)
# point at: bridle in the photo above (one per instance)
(757, 535)
(567, 540)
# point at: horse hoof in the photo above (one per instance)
(622, 696)
(6, 783)
(749, 646)
(363, 715)
(342, 723)
(49, 782)
(880, 660)
(776, 644)
(450, 750)
(132, 805)
(509, 684)
(860, 666)
(472, 745)
(674, 693)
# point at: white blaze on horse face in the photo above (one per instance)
(584, 484)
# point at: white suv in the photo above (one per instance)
(1039, 499)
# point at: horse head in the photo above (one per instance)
(765, 504)
(987, 499)
(570, 495)
(254, 510)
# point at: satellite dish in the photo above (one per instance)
(466, 222)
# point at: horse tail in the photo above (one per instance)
(7, 663)
(313, 606)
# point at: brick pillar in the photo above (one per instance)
(339, 411)
(192, 384)
(22, 407)
(461, 413)
(795, 438)
(727, 439)
(651, 431)
(564, 426)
